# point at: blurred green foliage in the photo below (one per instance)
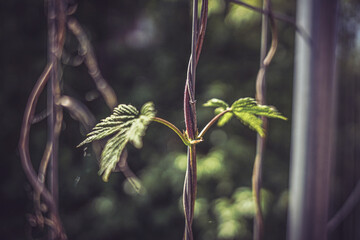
(142, 47)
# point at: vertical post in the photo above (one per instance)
(314, 120)
(260, 141)
(56, 23)
(52, 168)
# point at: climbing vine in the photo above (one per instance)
(126, 124)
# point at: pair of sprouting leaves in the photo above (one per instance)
(127, 124)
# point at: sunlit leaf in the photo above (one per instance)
(244, 103)
(214, 102)
(220, 106)
(137, 129)
(251, 121)
(123, 126)
(224, 119)
(110, 155)
(249, 105)
(246, 110)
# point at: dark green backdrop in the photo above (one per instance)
(142, 49)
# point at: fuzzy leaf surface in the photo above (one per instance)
(246, 110)
(125, 125)
(219, 104)
(249, 105)
(225, 119)
(252, 121)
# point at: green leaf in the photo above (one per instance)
(247, 110)
(219, 104)
(244, 103)
(218, 110)
(124, 125)
(137, 129)
(251, 121)
(225, 119)
(249, 105)
(111, 153)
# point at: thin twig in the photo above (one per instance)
(194, 40)
(130, 176)
(278, 16)
(203, 24)
(60, 27)
(190, 185)
(102, 85)
(79, 112)
(41, 176)
(40, 116)
(84, 116)
(349, 205)
(265, 59)
(70, 60)
(211, 122)
(56, 38)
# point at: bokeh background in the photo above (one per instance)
(142, 47)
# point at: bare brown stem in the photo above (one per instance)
(44, 162)
(84, 116)
(70, 60)
(128, 173)
(41, 176)
(57, 15)
(79, 112)
(24, 148)
(265, 59)
(189, 196)
(351, 202)
(203, 24)
(40, 116)
(91, 63)
(56, 38)
(278, 16)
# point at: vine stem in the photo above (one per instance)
(91, 63)
(265, 59)
(56, 36)
(190, 188)
(278, 16)
(25, 154)
(349, 205)
(189, 193)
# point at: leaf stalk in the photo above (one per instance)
(183, 136)
(212, 121)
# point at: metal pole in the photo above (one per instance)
(314, 120)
